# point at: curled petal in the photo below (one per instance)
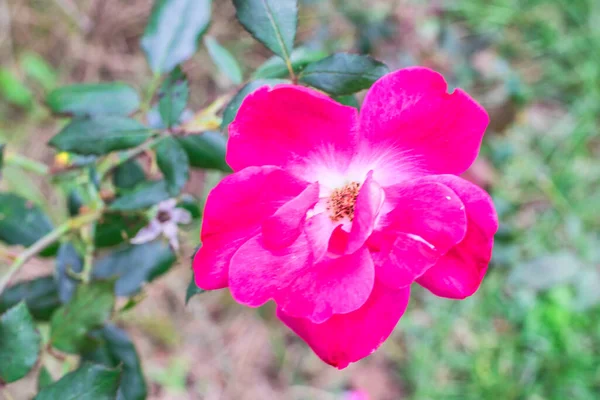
(289, 126)
(412, 111)
(234, 212)
(368, 203)
(459, 273)
(319, 229)
(347, 338)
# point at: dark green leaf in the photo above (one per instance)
(191, 204)
(348, 100)
(75, 201)
(144, 195)
(40, 295)
(90, 307)
(135, 265)
(44, 379)
(21, 221)
(89, 382)
(128, 175)
(192, 290)
(206, 150)
(235, 103)
(113, 98)
(172, 97)
(100, 135)
(275, 67)
(173, 162)
(272, 22)
(116, 228)
(224, 61)
(19, 343)
(67, 259)
(343, 74)
(117, 349)
(173, 31)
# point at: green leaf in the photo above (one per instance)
(173, 162)
(128, 175)
(2, 148)
(90, 307)
(88, 99)
(135, 265)
(89, 382)
(100, 135)
(21, 221)
(116, 228)
(117, 349)
(19, 344)
(44, 378)
(206, 150)
(67, 259)
(343, 74)
(40, 295)
(348, 100)
(14, 91)
(173, 97)
(272, 22)
(224, 61)
(192, 290)
(275, 67)
(234, 105)
(144, 195)
(173, 31)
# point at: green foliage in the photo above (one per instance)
(343, 74)
(173, 31)
(144, 195)
(206, 150)
(133, 266)
(275, 67)
(44, 378)
(100, 135)
(192, 290)
(68, 263)
(224, 61)
(272, 22)
(40, 295)
(14, 91)
(116, 349)
(19, 343)
(94, 99)
(89, 382)
(90, 307)
(21, 221)
(172, 97)
(114, 228)
(173, 162)
(128, 175)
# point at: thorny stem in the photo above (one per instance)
(27, 164)
(72, 224)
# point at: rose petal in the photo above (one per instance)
(429, 210)
(148, 233)
(291, 127)
(411, 110)
(283, 227)
(347, 338)
(459, 273)
(301, 288)
(234, 212)
(319, 229)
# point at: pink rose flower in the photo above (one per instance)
(334, 214)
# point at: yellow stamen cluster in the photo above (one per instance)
(342, 202)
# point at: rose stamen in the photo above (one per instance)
(342, 201)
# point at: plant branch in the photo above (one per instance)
(26, 164)
(71, 224)
(114, 160)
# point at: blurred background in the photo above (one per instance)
(533, 329)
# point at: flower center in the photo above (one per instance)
(163, 216)
(342, 201)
